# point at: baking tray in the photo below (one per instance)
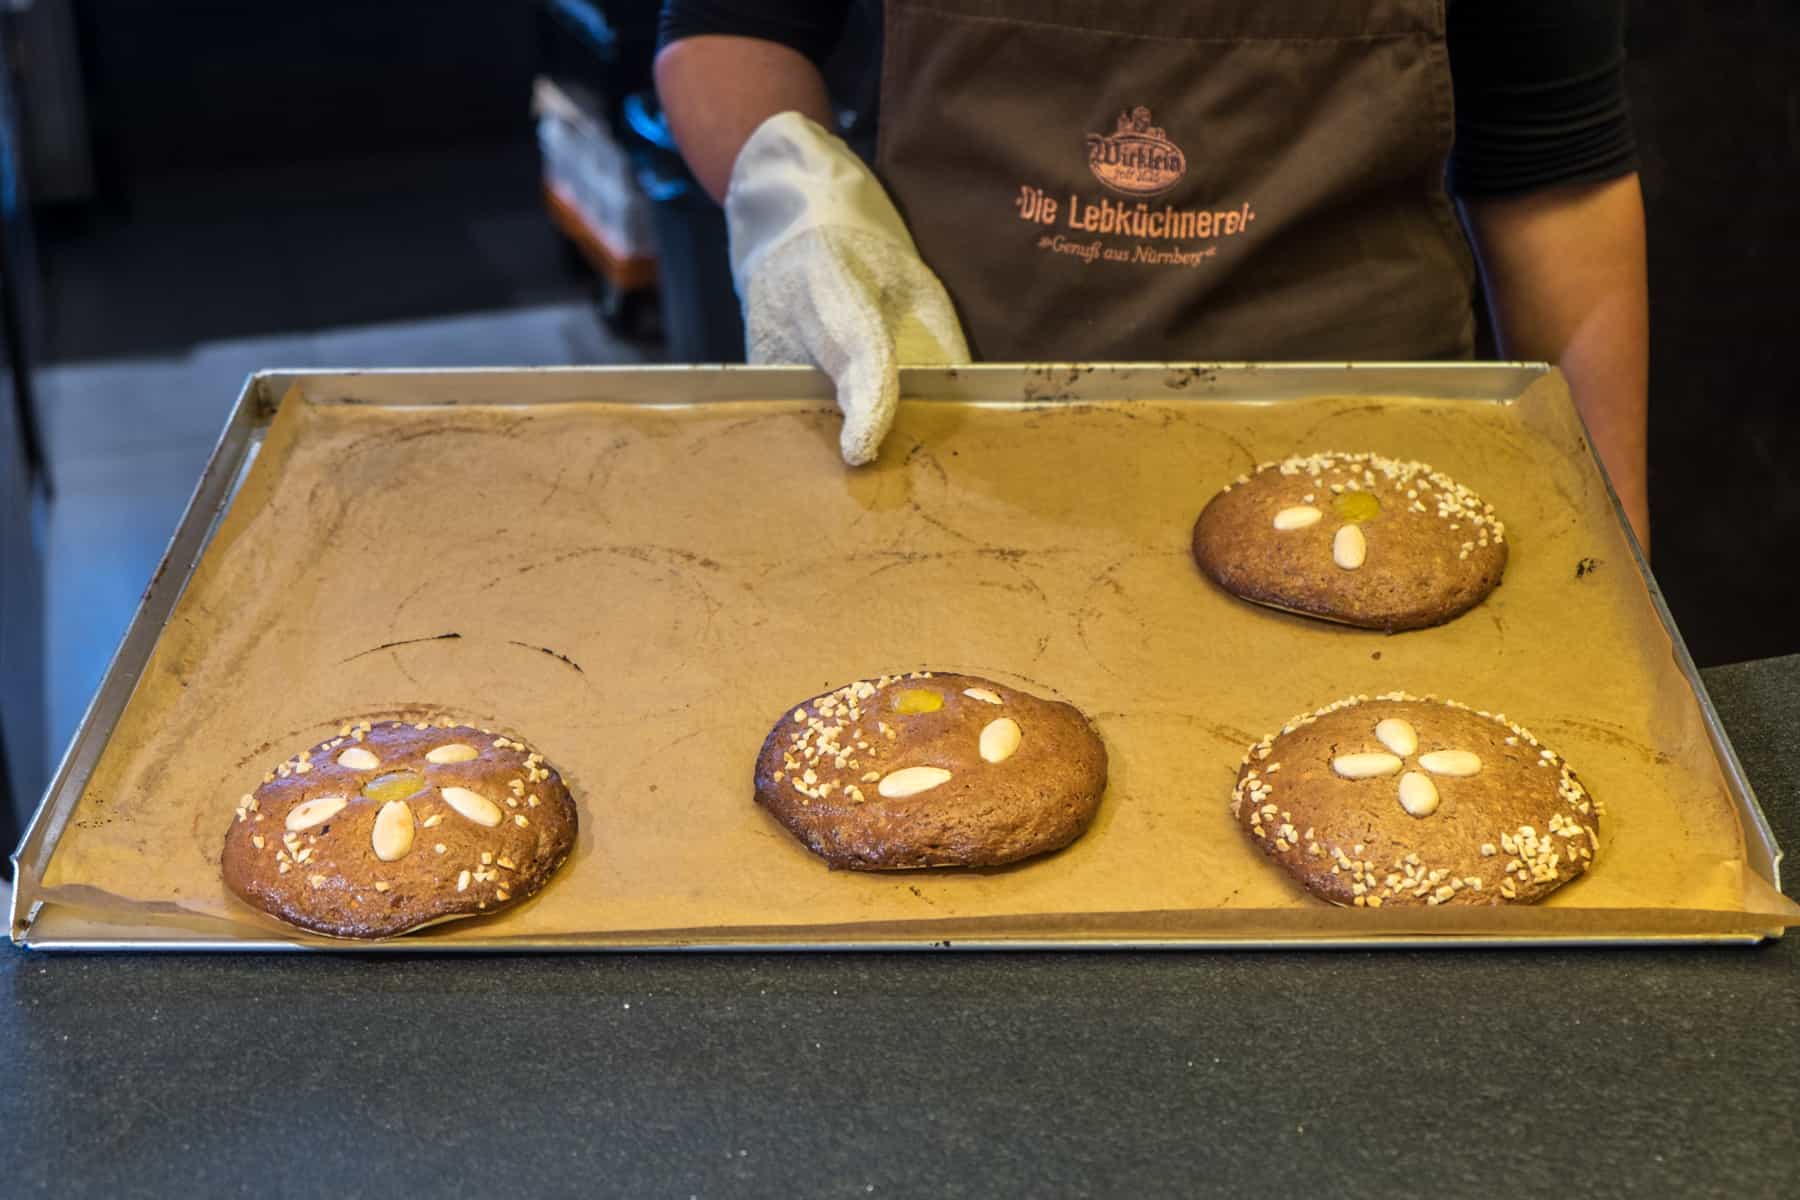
(1027, 395)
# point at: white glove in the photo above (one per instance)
(828, 274)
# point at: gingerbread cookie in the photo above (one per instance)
(1400, 800)
(931, 770)
(1355, 538)
(393, 826)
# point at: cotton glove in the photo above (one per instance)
(828, 274)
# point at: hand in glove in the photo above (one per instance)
(828, 274)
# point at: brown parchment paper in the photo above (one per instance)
(641, 592)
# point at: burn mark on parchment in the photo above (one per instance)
(923, 456)
(418, 590)
(1103, 578)
(1586, 567)
(937, 523)
(1230, 735)
(1594, 730)
(555, 487)
(602, 467)
(1016, 561)
(387, 439)
(1310, 433)
(441, 637)
(552, 653)
(643, 552)
(436, 637)
(1569, 504)
(265, 748)
(1245, 457)
(819, 413)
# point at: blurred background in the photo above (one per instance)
(195, 189)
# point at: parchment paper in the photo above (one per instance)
(641, 592)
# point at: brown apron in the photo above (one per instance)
(1186, 179)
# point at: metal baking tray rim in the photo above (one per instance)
(240, 440)
(1362, 942)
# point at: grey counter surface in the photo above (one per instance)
(1596, 1072)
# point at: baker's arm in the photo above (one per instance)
(826, 270)
(716, 89)
(1544, 166)
(1565, 278)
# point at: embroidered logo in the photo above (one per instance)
(1139, 163)
(1136, 158)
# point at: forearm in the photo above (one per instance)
(716, 90)
(1565, 278)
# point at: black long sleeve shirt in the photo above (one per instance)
(1539, 84)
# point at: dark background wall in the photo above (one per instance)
(1715, 92)
(377, 141)
(270, 167)
(210, 83)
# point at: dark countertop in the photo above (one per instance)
(1576, 1072)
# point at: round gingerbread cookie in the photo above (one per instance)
(1401, 800)
(393, 826)
(931, 770)
(1354, 538)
